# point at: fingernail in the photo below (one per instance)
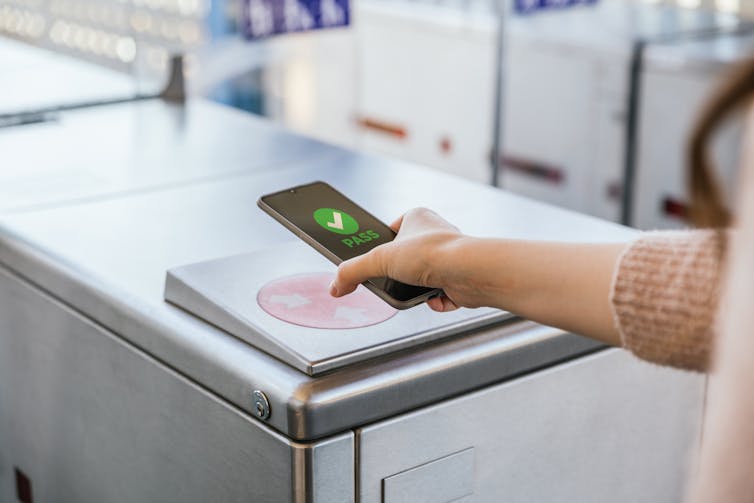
(333, 289)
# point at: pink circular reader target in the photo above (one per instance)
(305, 300)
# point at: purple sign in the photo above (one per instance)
(263, 18)
(528, 6)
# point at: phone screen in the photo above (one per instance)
(339, 225)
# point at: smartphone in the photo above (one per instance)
(340, 229)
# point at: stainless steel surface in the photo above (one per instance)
(107, 258)
(440, 481)
(224, 292)
(134, 147)
(90, 418)
(607, 427)
(324, 471)
(311, 408)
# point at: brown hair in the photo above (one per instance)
(707, 208)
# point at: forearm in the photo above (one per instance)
(661, 307)
(558, 284)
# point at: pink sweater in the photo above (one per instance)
(665, 298)
(675, 305)
(665, 295)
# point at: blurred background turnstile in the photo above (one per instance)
(597, 98)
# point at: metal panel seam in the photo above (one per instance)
(357, 465)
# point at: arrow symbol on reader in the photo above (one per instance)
(291, 301)
(354, 315)
(338, 221)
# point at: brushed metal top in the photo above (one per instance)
(132, 147)
(224, 291)
(107, 258)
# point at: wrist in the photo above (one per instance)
(475, 269)
(451, 263)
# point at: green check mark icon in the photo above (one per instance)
(337, 221)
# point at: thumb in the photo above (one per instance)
(357, 270)
(396, 225)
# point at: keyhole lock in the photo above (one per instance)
(261, 406)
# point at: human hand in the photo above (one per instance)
(414, 257)
(564, 285)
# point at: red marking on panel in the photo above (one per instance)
(675, 208)
(23, 487)
(446, 145)
(384, 127)
(615, 191)
(535, 169)
(305, 300)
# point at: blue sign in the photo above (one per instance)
(529, 6)
(263, 18)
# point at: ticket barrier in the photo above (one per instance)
(162, 339)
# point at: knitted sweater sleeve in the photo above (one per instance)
(665, 294)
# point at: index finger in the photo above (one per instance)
(357, 270)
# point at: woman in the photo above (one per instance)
(657, 296)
